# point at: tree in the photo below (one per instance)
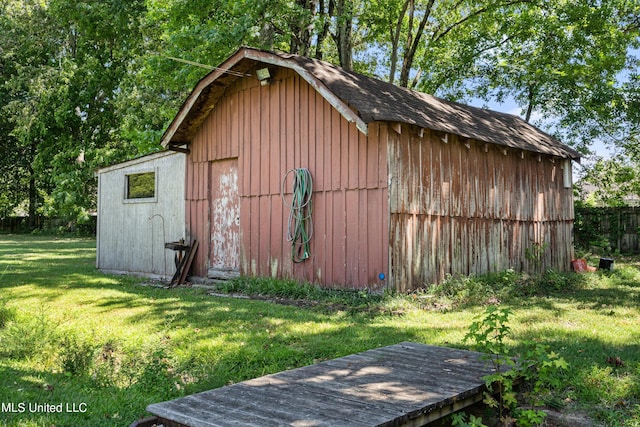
(90, 82)
(416, 35)
(68, 58)
(565, 61)
(611, 182)
(24, 52)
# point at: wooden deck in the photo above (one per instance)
(406, 384)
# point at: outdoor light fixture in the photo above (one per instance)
(263, 75)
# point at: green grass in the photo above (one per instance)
(110, 345)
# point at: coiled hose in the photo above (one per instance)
(300, 224)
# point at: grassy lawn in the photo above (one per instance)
(107, 346)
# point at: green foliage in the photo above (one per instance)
(460, 419)
(293, 290)
(602, 230)
(563, 61)
(503, 286)
(153, 371)
(67, 60)
(536, 252)
(489, 334)
(86, 84)
(616, 181)
(536, 366)
(141, 185)
(76, 353)
(28, 335)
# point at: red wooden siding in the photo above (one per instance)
(415, 205)
(271, 130)
(465, 207)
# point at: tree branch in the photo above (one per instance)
(478, 12)
(395, 40)
(408, 57)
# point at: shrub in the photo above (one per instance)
(463, 290)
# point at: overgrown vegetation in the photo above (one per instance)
(537, 370)
(113, 344)
(292, 292)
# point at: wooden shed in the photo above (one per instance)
(140, 208)
(407, 188)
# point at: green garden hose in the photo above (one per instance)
(300, 225)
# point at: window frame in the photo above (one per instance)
(153, 199)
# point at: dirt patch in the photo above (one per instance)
(561, 419)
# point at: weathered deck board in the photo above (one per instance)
(406, 384)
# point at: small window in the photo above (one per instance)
(568, 179)
(141, 185)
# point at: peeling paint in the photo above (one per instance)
(225, 216)
(477, 211)
(274, 267)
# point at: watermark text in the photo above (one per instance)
(42, 408)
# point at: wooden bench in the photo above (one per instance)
(406, 384)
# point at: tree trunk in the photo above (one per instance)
(301, 30)
(33, 192)
(530, 102)
(344, 42)
(395, 41)
(413, 43)
(326, 17)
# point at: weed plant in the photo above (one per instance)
(505, 286)
(538, 369)
(305, 293)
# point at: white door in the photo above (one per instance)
(225, 219)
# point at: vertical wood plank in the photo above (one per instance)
(276, 172)
(339, 244)
(255, 165)
(336, 154)
(254, 233)
(245, 236)
(309, 139)
(244, 154)
(302, 112)
(263, 237)
(383, 140)
(353, 154)
(352, 237)
(319, 159)
(265, 143)
(289, 129)
(373, 155)
(318, 241)
(345, 164)
(364, 276)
